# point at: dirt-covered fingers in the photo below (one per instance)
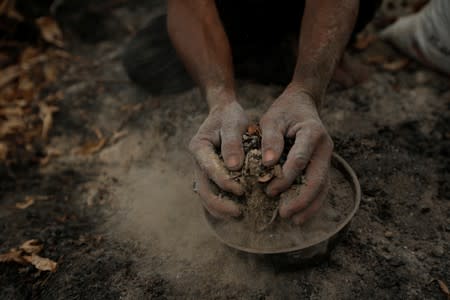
(316, 178)
(218, 206)
(307, 138)
(312, 209)
(231, 142)
(272, 142)
(210, 163)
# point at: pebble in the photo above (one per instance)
(397, 261)
(388, 234)
(438, 251)
(422, 77)
(420, 256)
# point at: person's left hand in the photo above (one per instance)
(294, 115)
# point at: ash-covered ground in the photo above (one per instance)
(123, 221)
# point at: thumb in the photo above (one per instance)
(272, 143)
(232, 149)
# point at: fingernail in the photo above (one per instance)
(233, 162)
(269, 156)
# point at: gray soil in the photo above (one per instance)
(260, 228)
(124, 223)
(280, 234)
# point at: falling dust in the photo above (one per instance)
(163, 215)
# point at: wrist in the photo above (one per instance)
(219, 96)
(298, 88)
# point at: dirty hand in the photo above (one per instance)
(294, 115)
(224, 127)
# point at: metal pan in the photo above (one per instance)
(307, 253)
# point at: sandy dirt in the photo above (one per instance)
(260, 227)
(125, 223)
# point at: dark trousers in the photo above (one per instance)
(261, 36)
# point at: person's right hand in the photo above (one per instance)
(223, 128)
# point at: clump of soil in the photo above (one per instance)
(260, 226)
(259, 210)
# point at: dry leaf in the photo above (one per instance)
(50, 72)
(11, 126)
(28, 54)
(9, 74)
(3, 151)
(32, 247)
(26, 85)
(444, 288)
(29, 200)
(132, 107)
(376, 59)
(7, 8)
(118, 135)
(92, 147)
(59, 95)
(364, 40)
(396, 65)
(98, 133)
(265, 178)
(50, 31)
(46, 115)
(41, 263)
(11, 111)
(51, 152)
(253, 129)
(14, 255)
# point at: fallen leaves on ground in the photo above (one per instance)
(46, 115)
(29, 200)
(396, 65)
(118, 135)
(388, 64)
(41, 263)
(8, 8)
(28, 69)
(444, 288)
(28, 253)
(9, 74)
(13, 255)
(93, 147)
(32, 246)
(11, 126)
(50, 31)
(364, 40)
(3, 151)
(50, 153)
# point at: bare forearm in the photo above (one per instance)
(326, 29)
(198, 36)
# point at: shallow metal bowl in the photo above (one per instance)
(306, 253)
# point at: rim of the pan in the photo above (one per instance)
(351, 177)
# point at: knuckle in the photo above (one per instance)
(314, 124)
(227, 185)
(193, 145)
(300, 162)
